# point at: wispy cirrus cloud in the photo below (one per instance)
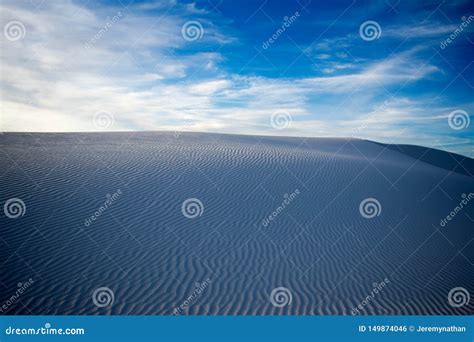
(76, 61)
(429, 30)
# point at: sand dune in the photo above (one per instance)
(318, 245)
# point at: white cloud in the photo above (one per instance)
(419, 31)
(60, 75)
(209, 87)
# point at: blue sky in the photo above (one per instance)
(296, 68)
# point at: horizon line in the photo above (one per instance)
(237, 134)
